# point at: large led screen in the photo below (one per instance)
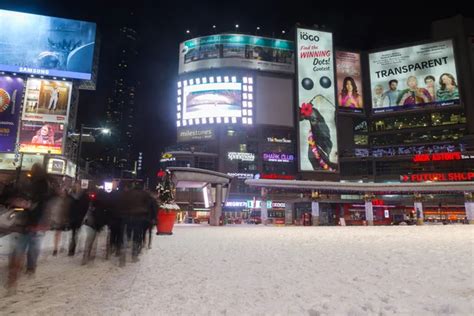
(212, 100)
(43, 45)
(11, 90)
(47, 100)
(317, 134)
(414, 77)
(41, 137)
(236, 50)
(215, 100)
(349, 82)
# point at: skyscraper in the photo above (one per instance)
(121, 105)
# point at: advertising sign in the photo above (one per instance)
(349, 82)
(215, 99)
(418, 76)
(278, 157)
(56, 166)
(41, 137)
(236, 50)
(195, 133)
(446, 176)
(317, 135)
(7, 161)
(47, 101)
(11, 90)
(241, 156)
(212, 100)
(43, 45)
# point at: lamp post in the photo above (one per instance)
(105, 131)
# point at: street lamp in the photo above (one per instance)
(105, 131)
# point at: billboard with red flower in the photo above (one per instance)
(317, 135)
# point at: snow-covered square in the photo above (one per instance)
(258, 270)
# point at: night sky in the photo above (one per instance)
(161, 26)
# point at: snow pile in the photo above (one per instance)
(256, 270)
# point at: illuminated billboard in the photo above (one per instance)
(212, 100)
(349, 82)
(47, 101)
(215, 100)
(420, 76)
(11, 90)
(236, 50)
(43, 45)
(41, 137)
(317, 135)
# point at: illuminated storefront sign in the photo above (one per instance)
(254, 204)
(240, 175)
(441, 157)
(241, 156)
(276, 176)
(278, 140)
(278, 157)
(236, 204)
(167, 157)
(449, 176)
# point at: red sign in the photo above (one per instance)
(377, 202)
(276, 176)
(449, 176)
(438, 157)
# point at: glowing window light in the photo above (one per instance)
(234, 79)
(198, 81)
(185, 82)
(250, 80)
(244, 88)
(249, 113)
(226, 120)
(203, 120)
(204, 80)
(226, 79)
(191, 82)
(178, 115)
(196, 121)
(249, 121)
(244, 104)
(219, 79)
(179, 84)
(179, 91)
(178, 107)
(244, 112)
(211, 120)
(234, 120)
(211, 79)
(218, 120)
(244, 120)
(250, 104)
(250, 96)
(244, 79)
(178, 123)
(251, 88)
(190, 122)
(179, 99)
(184, 123)
(244, 96)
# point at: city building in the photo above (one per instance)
(420, 131)
(121, 155)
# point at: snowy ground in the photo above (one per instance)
(255, 270)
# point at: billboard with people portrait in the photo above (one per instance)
(349, 82)
(41, 137)
(43, 45)
(317, 134)
(11, 90)
(414, 77)
(47, 101)
(236, 50)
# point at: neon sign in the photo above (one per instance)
(449, 176)
(278, 157)
(438, 157)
